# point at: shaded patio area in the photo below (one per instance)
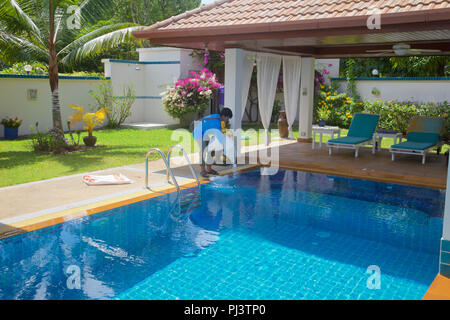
(404, 170)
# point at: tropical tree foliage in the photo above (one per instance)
(64, 33)
(48, 30)
(423, 66)
(147, 12)
(433, 66)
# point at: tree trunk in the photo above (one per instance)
(53, 73)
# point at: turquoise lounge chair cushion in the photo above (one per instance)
(428, 137)
(410, 145)
(418, 141)
(349, 140)
(361, 129)
(363, 125)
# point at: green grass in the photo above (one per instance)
(20, 164)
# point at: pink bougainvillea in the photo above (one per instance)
(191, 94)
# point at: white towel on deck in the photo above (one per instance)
(92, 180)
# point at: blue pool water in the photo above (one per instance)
(294, 235)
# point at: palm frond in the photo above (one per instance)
(18, 19)
(98, 41)
(10, 44)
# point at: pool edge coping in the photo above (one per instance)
(61, 216)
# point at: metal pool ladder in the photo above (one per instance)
(169, 171)
(167, 164)
(192, 201)
(177, 146)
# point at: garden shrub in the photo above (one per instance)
(37, 68)
(341, 106)
(119, 106)
(49, 141)
(396, 115)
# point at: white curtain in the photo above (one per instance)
(291, 86)
(268, 72)
(247, 71)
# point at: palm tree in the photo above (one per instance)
(49, 30)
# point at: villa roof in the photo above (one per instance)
(239, 23)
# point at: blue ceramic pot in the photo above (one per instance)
(11, 133)
(322, 123)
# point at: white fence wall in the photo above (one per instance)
(403, 89)
(14, 101)
(156, 69)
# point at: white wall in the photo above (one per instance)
(156, 69)
(14, 102)
(404, 90)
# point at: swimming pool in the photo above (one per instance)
(293, 235)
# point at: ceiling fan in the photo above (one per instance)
(402, 49)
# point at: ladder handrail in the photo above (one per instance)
(185, 157)
(167, 166)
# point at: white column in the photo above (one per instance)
(306, 98)
(107, 69)
(446, 231)
(234, 60)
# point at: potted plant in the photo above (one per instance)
(324, 114)
(11, 127)
(283, 126)
(92, 119)
(189, 98)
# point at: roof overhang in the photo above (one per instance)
(321, 38)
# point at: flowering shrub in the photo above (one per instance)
(191, 95)
(11, 123)
(49, 141)
(341, 107)
(396, 115)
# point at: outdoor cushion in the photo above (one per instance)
(424, 137)
(426, 124)
(412, 145)
(349, 140)
(363, 125)
(418, 141)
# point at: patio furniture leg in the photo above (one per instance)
(314, 139)
(356, 152)
(320, 143)
(329, 151)
(423, 159)
(393, 156)
(374, 144)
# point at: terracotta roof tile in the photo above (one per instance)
(236, 12)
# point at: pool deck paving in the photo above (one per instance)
(35, 205)
(406, 169)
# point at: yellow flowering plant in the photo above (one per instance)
(92, 119)
(337, 108)
(323, 113)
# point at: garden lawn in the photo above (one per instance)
(20, 164)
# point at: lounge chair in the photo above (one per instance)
(424, 134)
(360, 133)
